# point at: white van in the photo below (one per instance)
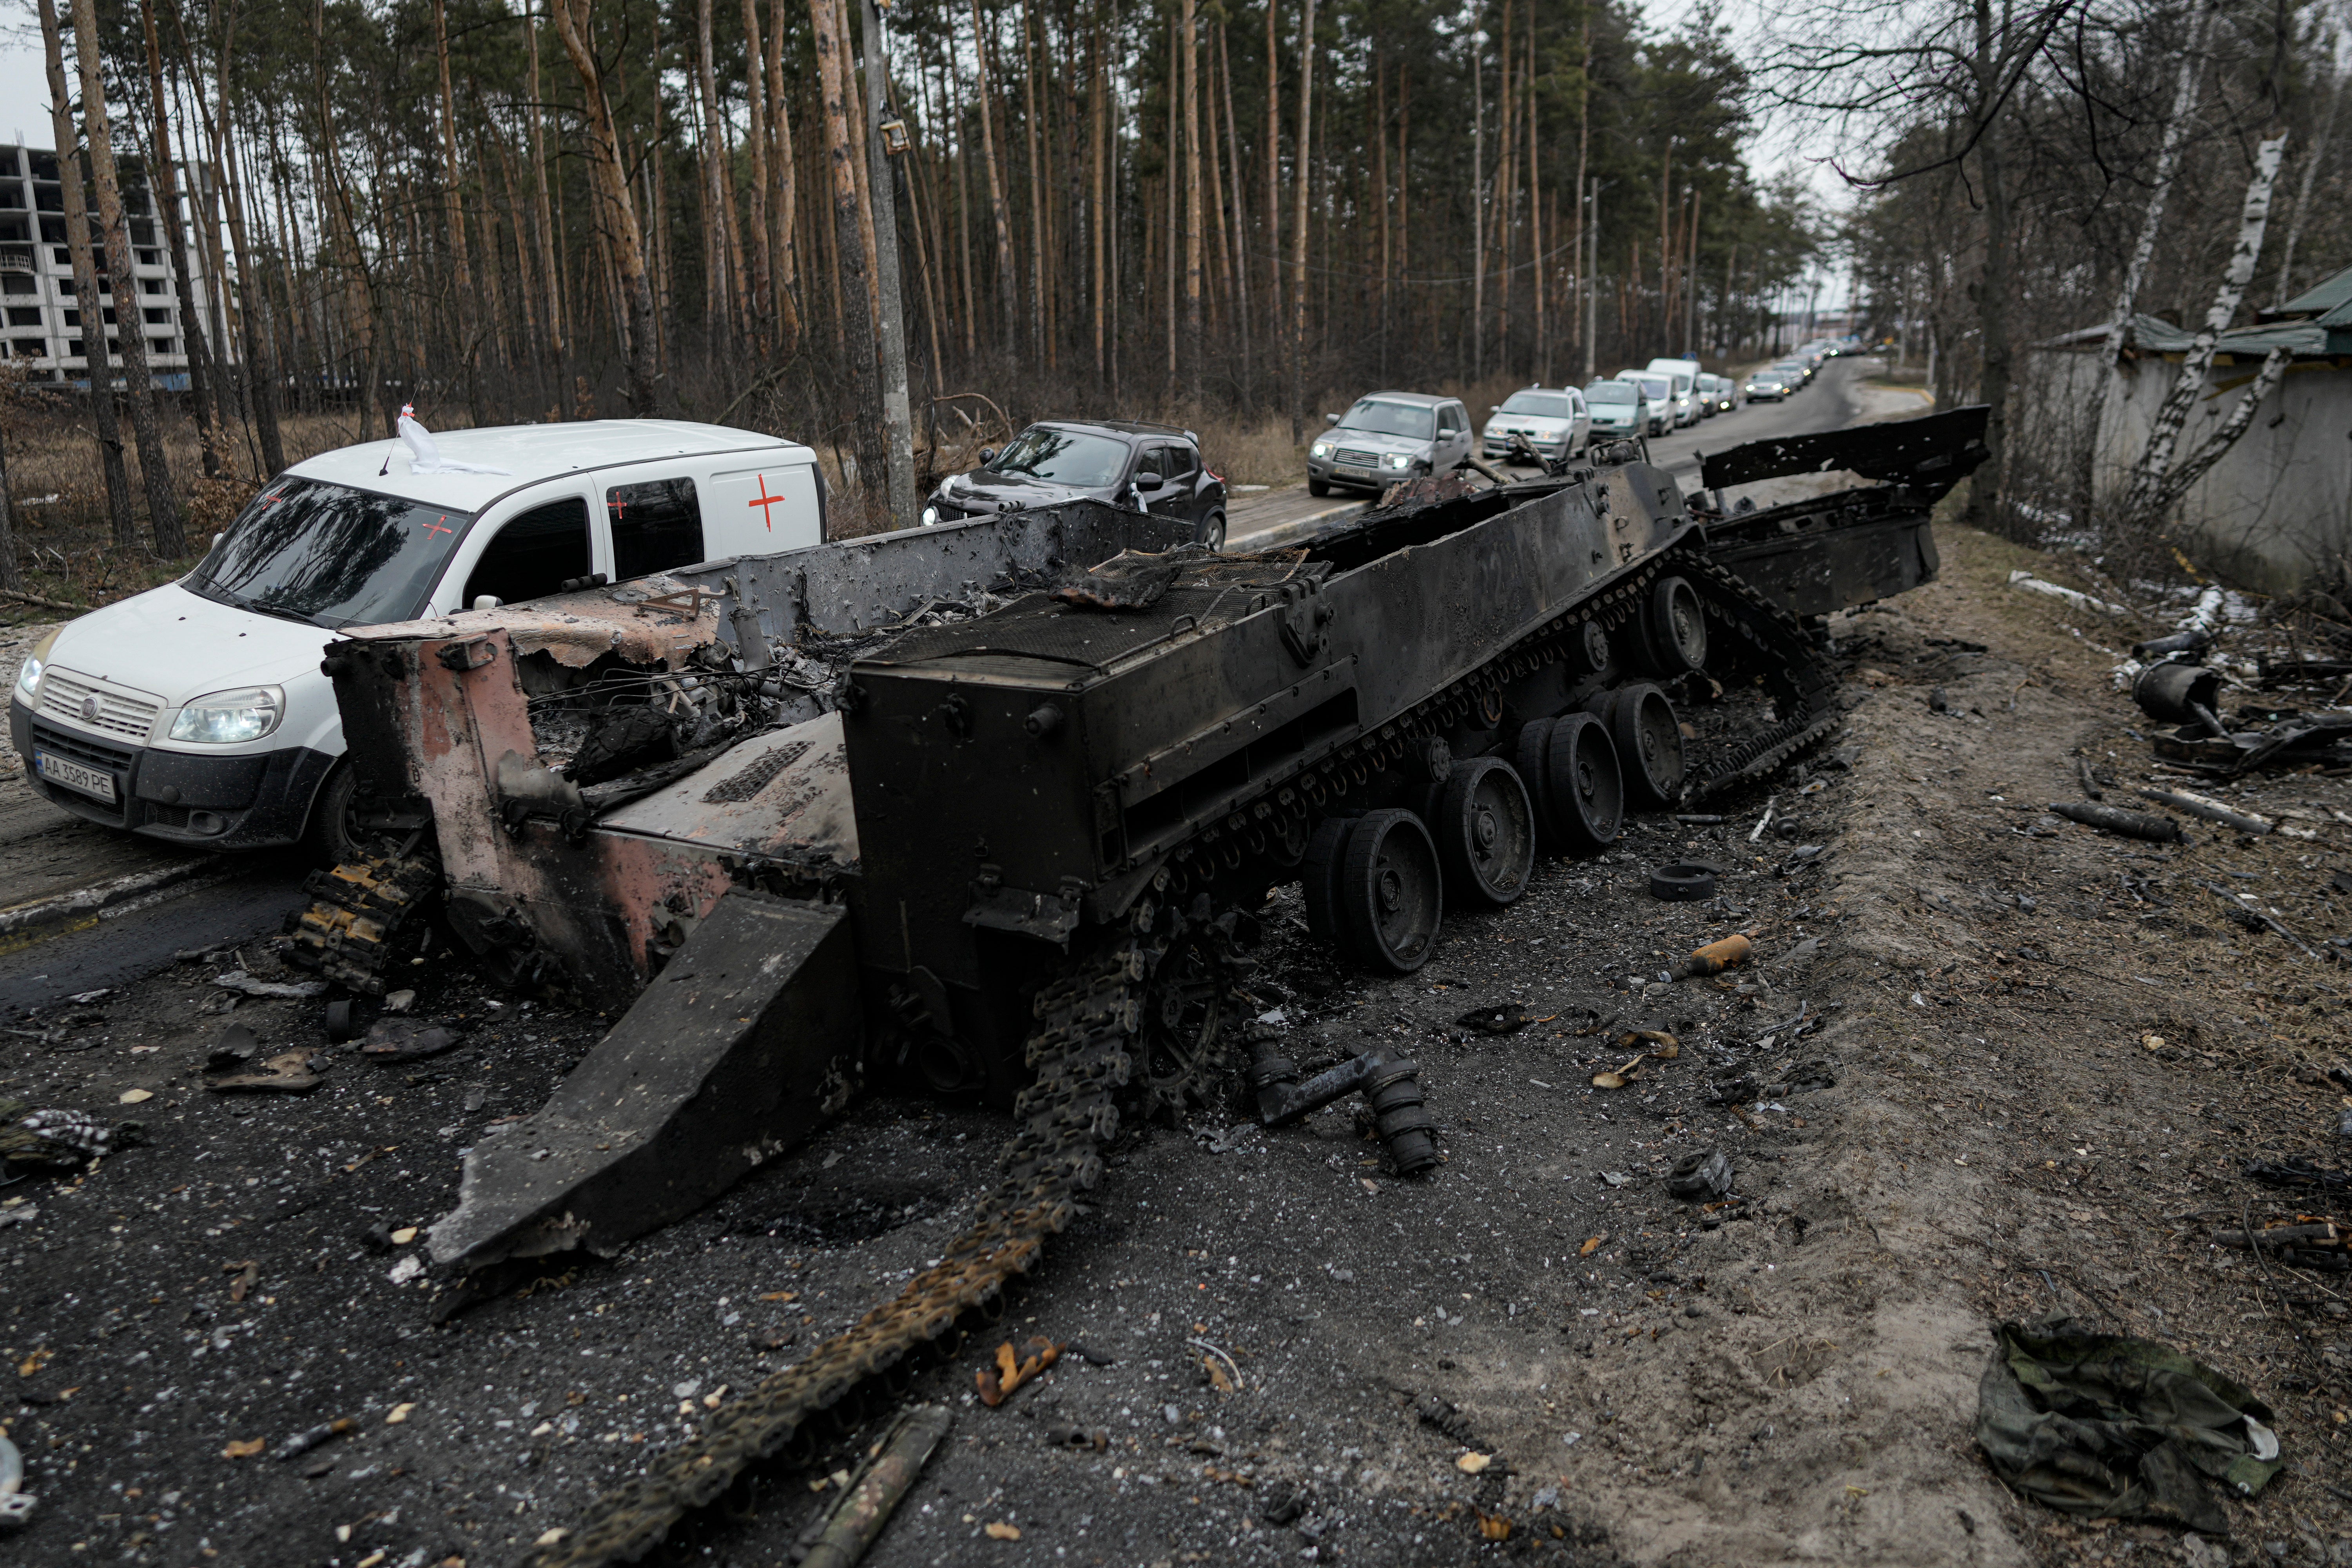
(1684, 375)
(196, 712)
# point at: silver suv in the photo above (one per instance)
(1388, 437)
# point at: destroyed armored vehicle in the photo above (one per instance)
(988, 810)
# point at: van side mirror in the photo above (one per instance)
(1151, 481)
(1330, 419)
(217, 538)
(987, 456)
(487, 601)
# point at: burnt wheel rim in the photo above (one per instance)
(1486, 825)
(1391, 893)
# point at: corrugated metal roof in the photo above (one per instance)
(2327, 299)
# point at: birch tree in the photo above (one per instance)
(2111, 348)
(2158, 483)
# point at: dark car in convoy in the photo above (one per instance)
(1149, 467)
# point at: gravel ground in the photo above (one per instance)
(1536, 1353)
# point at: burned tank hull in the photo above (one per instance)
(1015, 856)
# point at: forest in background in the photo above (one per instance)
(2033, 168)
(1174, 210)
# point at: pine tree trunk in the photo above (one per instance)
(857, 324)
(2152, 489)
(760, 250)
(553, 346)
(164, 178)
(154, 468)
(86, 300)
(787, 279)
(1006, 276)
(1184, 80)
(633, 288)
(1298, 219)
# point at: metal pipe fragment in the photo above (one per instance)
(2114, 819)
(855, 1522)
(2212, 810)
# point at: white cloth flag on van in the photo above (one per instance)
(425, 457)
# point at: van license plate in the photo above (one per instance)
(1349, 471)
(73, 776)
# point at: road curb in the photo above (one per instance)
(21, 925)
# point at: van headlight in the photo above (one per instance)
(931, 517)
(1396, 460)
(1320, 450)
(28, 674)
(226, 718)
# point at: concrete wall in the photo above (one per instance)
(2275, 513)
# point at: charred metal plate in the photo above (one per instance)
(783, 794)
(1835, 568)
(745, 1043)
(1932, 453)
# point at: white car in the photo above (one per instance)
(197, 712)
(1554, 420)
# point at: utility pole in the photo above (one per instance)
(1593, 277)
(898, 416)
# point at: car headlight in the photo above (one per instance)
(1396, 460)
(1322, 448)
(28, 674)
(930, 516)
(226, 718)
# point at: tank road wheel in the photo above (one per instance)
(1320, 875)
(1585, 786)
(1528, 756)
(1674, 628)
(1649, 744)
(1390, 893)
(1186, 1024)
(1485, 831)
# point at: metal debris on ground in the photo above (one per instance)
(1683, 882)
(59, 1140)
(2210, 809)
(290, 1072)
(2116, 819)
(996, 1383)
(841, 1534)
(393, 1040)
(238, 981)
(1700, 1177)
(1730, 953)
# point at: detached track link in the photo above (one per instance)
(1079, 1051)
(358, 910)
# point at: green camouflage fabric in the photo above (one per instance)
(2111, 1427)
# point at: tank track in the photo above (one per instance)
(1087, 1024)
(358, 912)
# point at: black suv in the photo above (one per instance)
(1151, 468)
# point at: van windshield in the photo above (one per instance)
(305, 550)
(1612, 392)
